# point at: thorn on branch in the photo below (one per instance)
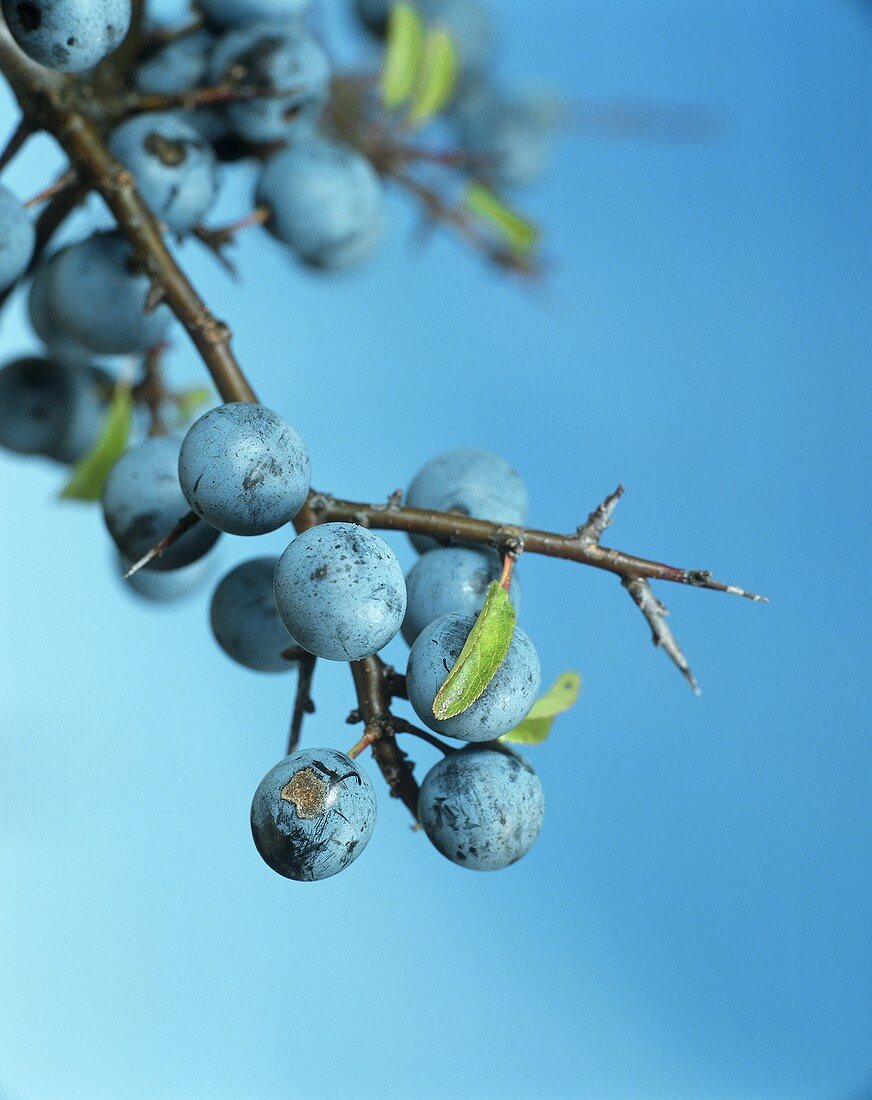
(65, 180)
(221, 237)
(154, 297)
(600, 518)
(661, 634)
(181, 528)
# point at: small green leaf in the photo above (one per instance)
(438, 77)
(403, 55)
(562, 695)
(89, 473)
(188, 401)
(483, 652)
(519, 233)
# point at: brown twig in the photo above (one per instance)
(16, 141)
(303, 702)
(218, 238)
(374, 709)
(451, 527)
(402, 726)
(140, 102)
(583, 547)
(439, 209)
(151, 389)
(45, 98)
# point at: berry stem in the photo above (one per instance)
(508, 570)
(371, 735)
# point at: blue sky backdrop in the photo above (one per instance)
(694, 921)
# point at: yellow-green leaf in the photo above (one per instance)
(438, 77)
(89, 473)
(562, 695)
(403, 55)
(483, 652)
(519, 232)
(188, 401)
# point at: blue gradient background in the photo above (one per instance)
(695, 920)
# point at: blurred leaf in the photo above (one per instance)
(438, 77)
(562, 695)
(519, 233)
(188, 401)
(89, 473)
(403, 55)
(483, 652)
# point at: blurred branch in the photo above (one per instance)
(16, 142)
(50, 101)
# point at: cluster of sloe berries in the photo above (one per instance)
(338, 592)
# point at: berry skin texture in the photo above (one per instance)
(275, 57)
(473, 482)
(17, 236)
(243, 469)
(482, 807)
(245, 621)
(325, 202)
(313, 814)
(232, 13)
(97, 298)
(142, 502)
(173, 164)
(51, 409)
(503, 703)
(67, 35)
(340, 591)
(450, 579)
